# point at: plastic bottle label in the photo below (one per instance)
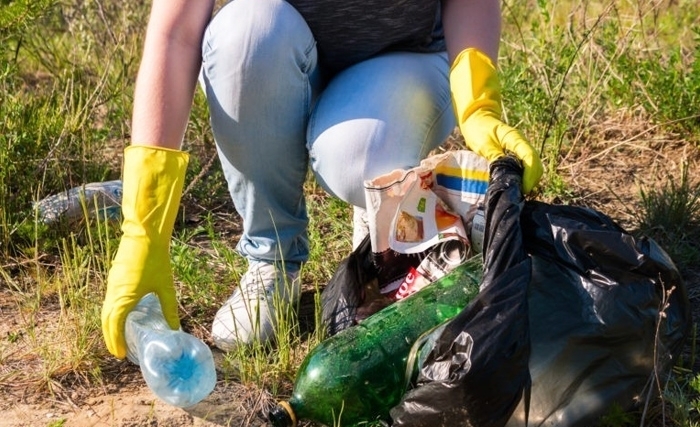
(413, 282)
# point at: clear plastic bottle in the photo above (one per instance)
(101, 199)
(177, 367)
(356, 376)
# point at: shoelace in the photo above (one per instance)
(259, 281)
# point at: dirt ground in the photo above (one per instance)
(127, 402)
(605, 178)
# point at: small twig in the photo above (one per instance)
(647, 399)
(201, 174)
(657, 362)
(108, 26)
(560, 93)
(627, 141)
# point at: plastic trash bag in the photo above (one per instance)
(593, 311)
(353, 283)
(592, 307)
(595, 301)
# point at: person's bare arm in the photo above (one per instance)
(168, 72)
(472, 34)
(472, 23)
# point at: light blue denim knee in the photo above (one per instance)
(385, 113)
(259, 75)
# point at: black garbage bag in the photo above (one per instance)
(605, 313)
(594, 303)
(477, 371)
(595, 297)
(345, 291)
(355, 290)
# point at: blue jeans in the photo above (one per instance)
(274, 113)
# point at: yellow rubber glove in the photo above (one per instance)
(477, 102)
(151, 191)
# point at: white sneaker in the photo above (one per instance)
(249, 315)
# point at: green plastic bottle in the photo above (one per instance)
(356, 376)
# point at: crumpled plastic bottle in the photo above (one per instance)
(96, 198)
(177, 367)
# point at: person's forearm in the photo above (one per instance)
(168, 72)
(472, 23)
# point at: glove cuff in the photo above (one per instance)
(474, 85)
(152, 184)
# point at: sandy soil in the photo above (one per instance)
(126, 401)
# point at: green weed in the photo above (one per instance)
(671, 215)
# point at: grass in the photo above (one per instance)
(587, 82)
(670, 214)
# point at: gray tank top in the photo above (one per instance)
(350, 31)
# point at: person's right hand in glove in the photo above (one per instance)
(477, 100)
(152, 186)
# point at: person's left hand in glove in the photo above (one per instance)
(472, 31)
(155, 165)
(152, 187)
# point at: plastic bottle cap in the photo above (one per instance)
(282, 415)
